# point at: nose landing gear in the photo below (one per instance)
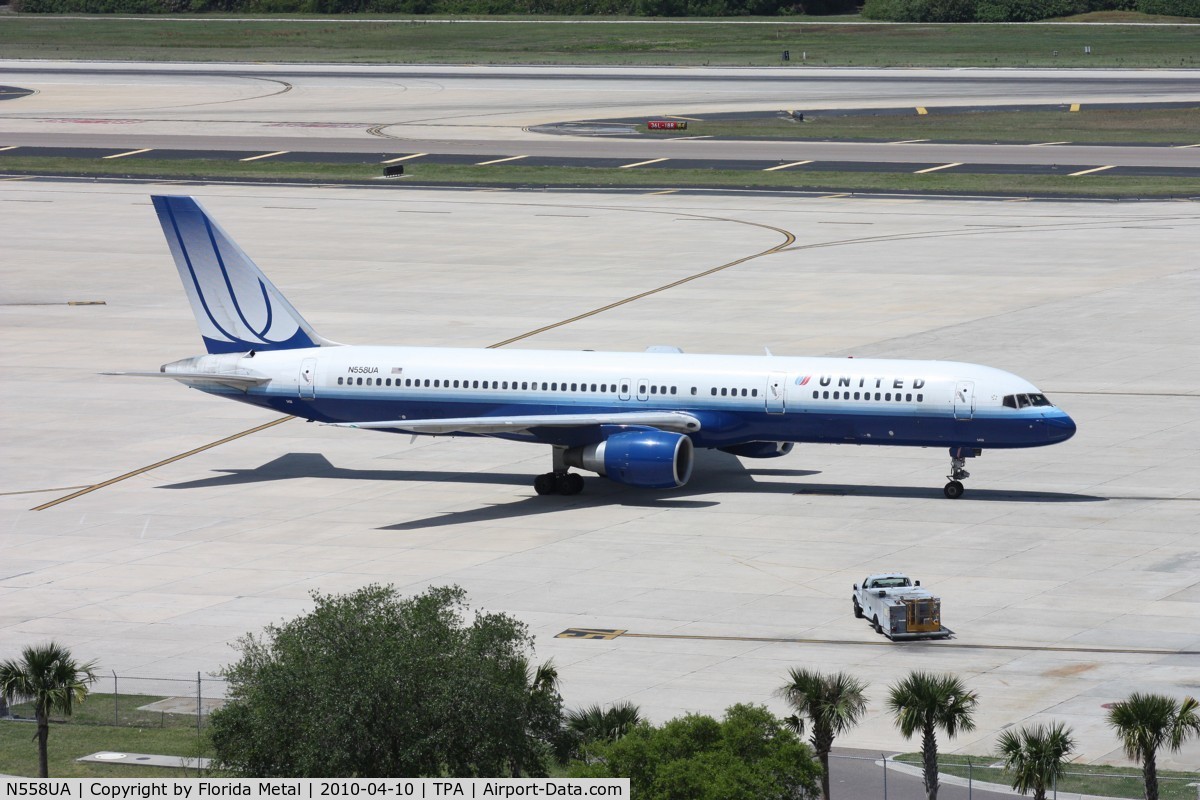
(958, 461)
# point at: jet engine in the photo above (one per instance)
(649, 459)
(759, 449)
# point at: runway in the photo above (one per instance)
(488, 112)
(1068, 573)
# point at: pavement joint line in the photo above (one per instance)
(884, 642)
(1046, 144)
(403, 158)
(641, 163)
(935, 169)
(1090, 171)
(785, 166)
(499, 160)
(129, 153)
(692, 138)
(265, 155)
(157, 464)
(909, 141)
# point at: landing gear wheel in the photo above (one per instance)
(875, 624)
(857, 609)
(568, 483)
(954, 490)
(545, 484)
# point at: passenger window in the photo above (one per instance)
(359, 382)
(816, 395)
(825, 395)
(877, 395)
(504, 385)
(524, 385)
(693, 391)
(387, 382)
(672, 390)
(908, 398)
(920, 398)
(856, 395)
(624, 388)
(339, 381)
(724, 392)
(887, 396)
(714, 391)
(754, 392)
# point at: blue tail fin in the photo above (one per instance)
(235, 305)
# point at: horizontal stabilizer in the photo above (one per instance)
(237, 381)
(665, 420)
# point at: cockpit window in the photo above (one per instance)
(1024, 400)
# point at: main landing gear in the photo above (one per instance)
(954, 489)
(559, 481)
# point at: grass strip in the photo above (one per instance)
(19, 755)
(1091, 186)
(1168, 126)
(811, 41)
(1101, 780)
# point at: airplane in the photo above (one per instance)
(634, 418)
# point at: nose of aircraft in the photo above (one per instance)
(1059, 428)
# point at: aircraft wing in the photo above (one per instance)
(665, 420)
(235, 380)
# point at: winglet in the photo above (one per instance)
(235, 305)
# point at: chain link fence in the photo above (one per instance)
(144, 702)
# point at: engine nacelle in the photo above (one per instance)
(760, 449)
(649, 459)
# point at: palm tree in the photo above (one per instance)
(1036, 756)
(596, 724)
(1147, 722)
(51, 678)
(925, 702)
(832, 704)
(543, 715)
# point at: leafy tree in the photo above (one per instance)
(748, 755)
(586, 726)
(1035, 755)
(832, 704)
(372, 684)
(50, 678)
(1148, 722)
(926, 702)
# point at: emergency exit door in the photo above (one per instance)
(308, 378)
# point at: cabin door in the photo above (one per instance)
(964, 400)
(308, 378)
(776, 402)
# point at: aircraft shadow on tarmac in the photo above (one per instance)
(715, 472)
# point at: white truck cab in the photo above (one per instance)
(898, 607)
